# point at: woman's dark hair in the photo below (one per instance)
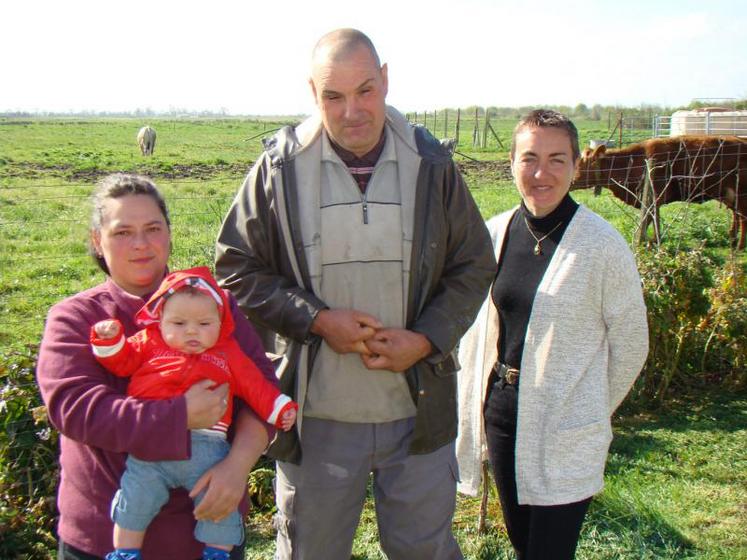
(115, 186)
(546, 118)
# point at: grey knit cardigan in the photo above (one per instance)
(586, 342)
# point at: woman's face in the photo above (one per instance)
(134, 241)
(543, 167)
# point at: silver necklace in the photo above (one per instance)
(539, 240)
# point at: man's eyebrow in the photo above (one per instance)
(359, 87)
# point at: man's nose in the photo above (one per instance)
(351, 107)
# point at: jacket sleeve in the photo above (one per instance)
(251, 260)
(468, 269)
(121, 356)
(89, 405)
(251, 346)
(624, 314)
(264, 397)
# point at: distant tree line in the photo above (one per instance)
(596, 112)
(581, 111)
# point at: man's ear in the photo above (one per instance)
(385, 77)
(313, 88)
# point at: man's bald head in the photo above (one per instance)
(350, 86)
(339, 44)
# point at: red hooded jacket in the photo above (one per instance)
(161, 372)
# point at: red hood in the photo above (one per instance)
(199, 278)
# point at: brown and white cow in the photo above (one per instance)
(146, 138)
(685, 168)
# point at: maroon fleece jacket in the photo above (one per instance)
(99, 425)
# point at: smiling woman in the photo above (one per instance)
(130, 235)
(554, 350)
(99, 424)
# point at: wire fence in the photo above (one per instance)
(481, 129)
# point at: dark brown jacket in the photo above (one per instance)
(260, 258)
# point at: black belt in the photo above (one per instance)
(509, 375)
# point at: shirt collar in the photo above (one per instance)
(383, 151)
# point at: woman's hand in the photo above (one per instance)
(225, 483)
(205, 404)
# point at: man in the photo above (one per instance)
(355, 238)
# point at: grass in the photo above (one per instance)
(677, 478)
(676, 488)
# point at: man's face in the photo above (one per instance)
(350, 94)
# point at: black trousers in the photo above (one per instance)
(536, 532)
(67, 552)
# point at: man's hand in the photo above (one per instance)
(345, 330)
(107, 329)
(205, 404)
(396, 349)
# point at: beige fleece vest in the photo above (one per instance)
(362, 268)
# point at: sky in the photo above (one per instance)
(252, 57)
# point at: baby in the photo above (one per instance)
(187, 337)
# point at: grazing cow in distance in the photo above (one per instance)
(146, 138)
(685, 168)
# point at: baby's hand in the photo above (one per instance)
(288, 419)
(107, 329)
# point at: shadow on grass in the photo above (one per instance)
(711, 408)
(618, 527)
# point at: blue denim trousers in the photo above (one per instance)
(145, 485)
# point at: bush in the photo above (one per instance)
(28, 462)
(697, 314)
(725, 328)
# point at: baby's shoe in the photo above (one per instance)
(124, 554)
(211, 553)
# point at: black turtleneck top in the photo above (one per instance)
(520, 272)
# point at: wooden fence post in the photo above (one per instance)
(484, 502)
(648, 206)
(485, 129)
(476, 131)
(435, 121)
(620, 123)
(446, 123)
(459, 118)
(425, 119)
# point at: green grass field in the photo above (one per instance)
(677, 479)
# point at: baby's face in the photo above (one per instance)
(190, 322)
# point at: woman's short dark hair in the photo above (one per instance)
(546, 118)
(115, 186)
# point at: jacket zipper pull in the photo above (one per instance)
(365, 212)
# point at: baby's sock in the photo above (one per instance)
(124, 554)
(212, 553)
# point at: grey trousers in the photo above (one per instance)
(320, 501)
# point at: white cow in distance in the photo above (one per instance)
(146, 138)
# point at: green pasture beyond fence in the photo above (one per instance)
(48, 170)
